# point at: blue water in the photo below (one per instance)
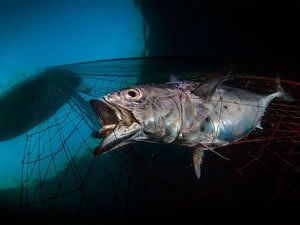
(38, 34)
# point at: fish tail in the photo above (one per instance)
(281, 93)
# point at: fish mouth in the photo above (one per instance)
(117, 125)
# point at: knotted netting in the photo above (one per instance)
(60, 171)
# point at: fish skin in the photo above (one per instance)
(174, 113)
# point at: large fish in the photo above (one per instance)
(203, 116)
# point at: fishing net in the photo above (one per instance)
(60, 172)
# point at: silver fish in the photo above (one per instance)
(203, 116)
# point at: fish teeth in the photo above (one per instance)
(109, 126)
(106, 130)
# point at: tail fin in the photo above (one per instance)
(282, 94)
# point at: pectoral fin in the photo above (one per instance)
(207, 88)
(197, 158)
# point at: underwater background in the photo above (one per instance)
(48, 170)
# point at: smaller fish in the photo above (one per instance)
(202, 116)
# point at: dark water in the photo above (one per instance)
(155, 183)
(261, 35)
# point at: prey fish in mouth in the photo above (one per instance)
(202, 116)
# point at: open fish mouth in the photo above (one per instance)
(117, 124)
(109, 116)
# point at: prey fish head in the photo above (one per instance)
(143, 113)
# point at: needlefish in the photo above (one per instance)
(201, 115)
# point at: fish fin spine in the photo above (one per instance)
(173, 78)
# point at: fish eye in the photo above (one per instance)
(133, 94)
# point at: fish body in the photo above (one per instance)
(203, 116)
(228, 116)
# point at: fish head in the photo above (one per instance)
(143, 113)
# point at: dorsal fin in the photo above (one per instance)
(207, 88)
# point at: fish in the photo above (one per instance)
(200, 115)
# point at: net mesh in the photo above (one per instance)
(49, 167)
(138, 175)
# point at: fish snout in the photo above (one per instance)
(114, 97)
